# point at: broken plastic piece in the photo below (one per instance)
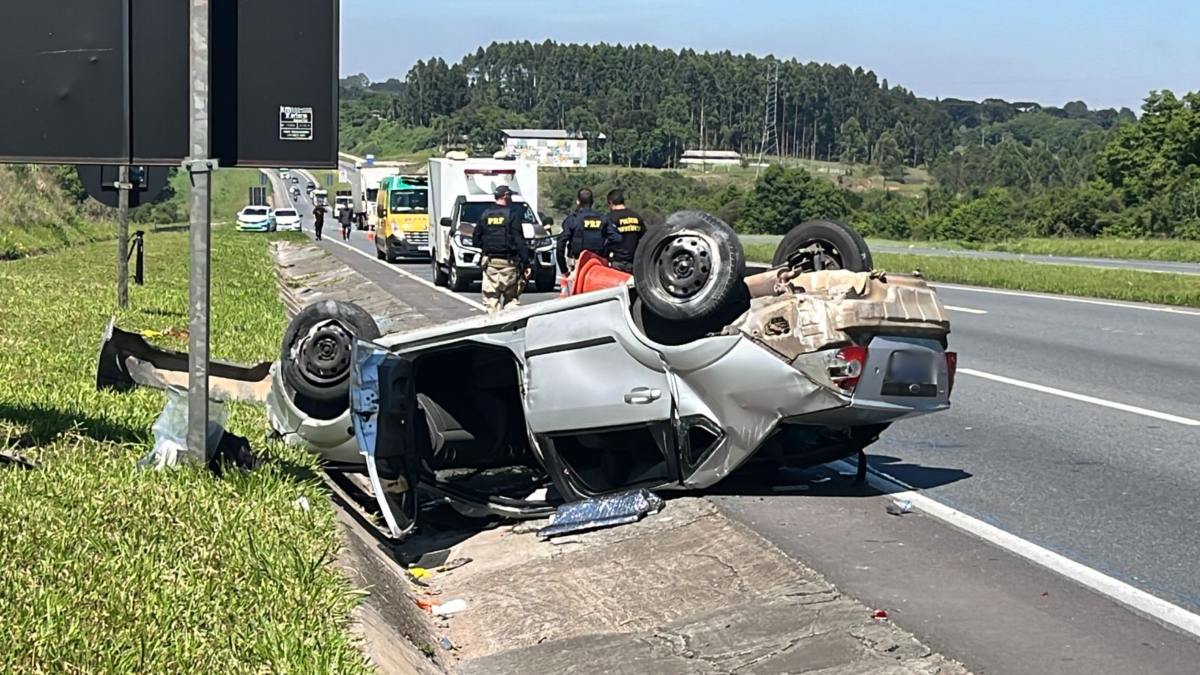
(591, 514)
(302, 503)
(170, 433)
(880, 615)
(16, 460)
(899, 507)
(446, 643)
(419, 573)
(450, 607)
(454, 564)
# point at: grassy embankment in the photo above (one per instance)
(1170, 250)
(1168, 289)
(37, 216)
(111, 569)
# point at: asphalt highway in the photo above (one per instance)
(1075, 429)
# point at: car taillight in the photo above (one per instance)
(847, 367)
(951, 369)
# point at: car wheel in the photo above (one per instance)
(458, 283)
(835, 246)
(440, 277)
(691, 269)
(379, 254)
(317, 349)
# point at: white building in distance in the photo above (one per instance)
(710, 158)
(547, 147)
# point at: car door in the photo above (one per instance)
(598, 401)
(586, 370)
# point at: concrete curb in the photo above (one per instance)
(397, 636)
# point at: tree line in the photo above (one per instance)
(1002, 169)
(651, 104)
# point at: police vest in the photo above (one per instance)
(494, 239)
(589, 233)
(632, 229)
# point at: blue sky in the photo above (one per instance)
(1053, 51)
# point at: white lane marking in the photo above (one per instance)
(965, 310)
(1069, 298)
(1166, 417)
(410, 275)
(1114, 589)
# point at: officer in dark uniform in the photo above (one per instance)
(319, 214)
(623, 231)
(582, 231)
(500, 237)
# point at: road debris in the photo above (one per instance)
(302, 503)
(10, 458)
(454, 564)
(899, 507)
(446, 643)
(880, 615)
(450, 607)
(170, 433)
(590, 514)
(427, 604)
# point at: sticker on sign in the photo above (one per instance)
(295, 124)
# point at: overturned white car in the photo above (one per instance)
(669, 380)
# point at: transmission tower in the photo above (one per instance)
(770, 137)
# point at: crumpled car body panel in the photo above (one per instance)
(574, 386)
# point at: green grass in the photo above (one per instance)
(1167, 289)
(19, 241)
(112, 569)
(1169, 250)
(230, 192)
(36, 218)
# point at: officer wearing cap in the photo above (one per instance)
(623, 231)
(499, 235)
(582, 231)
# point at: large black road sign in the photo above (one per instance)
(106, 82)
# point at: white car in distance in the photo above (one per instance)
(287, 220)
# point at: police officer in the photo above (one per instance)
(346, 220)
(623, 231)
(582, 231)
(319, 214)
(505, 254)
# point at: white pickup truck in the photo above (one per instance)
(460, 189)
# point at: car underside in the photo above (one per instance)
(669, 379)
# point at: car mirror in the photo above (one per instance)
(446, 222)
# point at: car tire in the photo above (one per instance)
(380, 255)
(316, 365)
(846, 249)
(457, 282)
(545, 279)
(440, 278)
(690, 269)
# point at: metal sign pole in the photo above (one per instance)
(123, 236)
(200, 168)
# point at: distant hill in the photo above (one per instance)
(651, 104)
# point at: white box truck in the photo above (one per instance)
(369, 179)
(462, 188)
